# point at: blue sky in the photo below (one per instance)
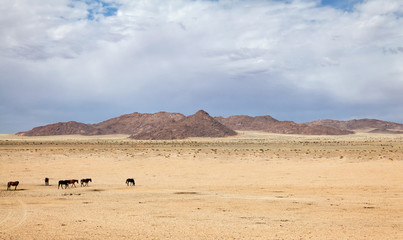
(297, 60)
(345, 5)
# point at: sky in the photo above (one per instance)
(297, 60)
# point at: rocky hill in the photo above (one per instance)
(62, 128)
(269, 124)
(164, 125)
(136, 123)
(358, 124)
(201, 124)
(385, 131)
(247, 123)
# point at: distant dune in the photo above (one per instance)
(165, 125)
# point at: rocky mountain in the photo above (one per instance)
(164, 125)
(136, 123)
(358, 124)
(269, 124)
(247, 123)
(385, 131)
(62, 128)
(201, 124)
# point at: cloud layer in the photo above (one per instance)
(295, 60)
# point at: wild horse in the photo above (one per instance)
(64, 183)
(130, 181)
(9, 184)
(73, 181)
(85, 181)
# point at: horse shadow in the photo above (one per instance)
(14, 190)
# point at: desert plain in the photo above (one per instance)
(251, 186)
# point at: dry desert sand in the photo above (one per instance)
(251, 186)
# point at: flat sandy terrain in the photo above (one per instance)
(252, 186)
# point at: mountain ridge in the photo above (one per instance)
(200, 124)
(166, 125)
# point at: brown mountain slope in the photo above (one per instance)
(269, 124)
(136, 123)
(62, 128)
(201, 124)
(288, 127)
(126, 124)
(164, 125)
(247, 123)
(357, 124)
(385, 131)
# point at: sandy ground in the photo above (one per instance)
(253, 186)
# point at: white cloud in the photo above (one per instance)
(156, 50)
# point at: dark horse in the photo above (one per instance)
(63, 182)
(12, 184)
(85, 181)
(130, 181)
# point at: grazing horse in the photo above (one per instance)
(130, 181)
(84, 181)
(72, 182)
(12, 184)
(63, 182)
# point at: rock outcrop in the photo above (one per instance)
(201, 124)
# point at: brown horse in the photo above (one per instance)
(72, 182)
(12, 184)
(84, 181)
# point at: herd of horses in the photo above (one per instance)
(66, 183)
